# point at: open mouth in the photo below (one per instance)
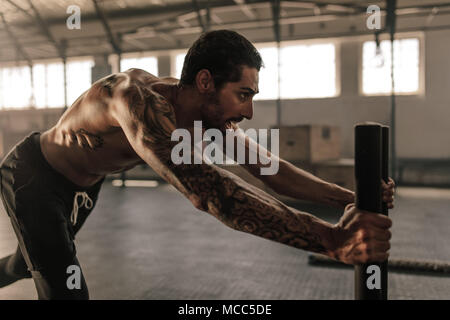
(232, 122)
(228, 125)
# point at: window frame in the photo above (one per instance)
(336, 42)
(398, 36)
(12, 64)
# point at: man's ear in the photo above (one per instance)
(204, 81)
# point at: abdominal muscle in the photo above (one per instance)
(85, 166)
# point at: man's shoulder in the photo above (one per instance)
(142, 100)
(123, 80)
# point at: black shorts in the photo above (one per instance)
(46, 211)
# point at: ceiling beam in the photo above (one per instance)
(175, 30)
(45, 30)
(14, 40)
(152, 11)
(205, 25)
(246, 9)
(15, 5)
(303, 37)
(41, 23)
(112, 40)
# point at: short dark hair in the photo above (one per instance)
(223, 53)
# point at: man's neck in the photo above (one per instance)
(185, 100)
(187, 103)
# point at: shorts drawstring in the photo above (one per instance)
(85, 201)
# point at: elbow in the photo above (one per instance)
(197, 202)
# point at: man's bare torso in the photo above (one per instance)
(87, 143)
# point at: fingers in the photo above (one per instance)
(380, 246)
(364, 236)
(377, 220)
(82, 141)
(378, 251)
(391, 182)
(388, 186)
(376, 244)
(388, 190)
(349, 206)
(378, 257)
(389, 200)
(378, 234)
(375, 251)
(357, 218)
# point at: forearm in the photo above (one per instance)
(300, 184)
(246, 208)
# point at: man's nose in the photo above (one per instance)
(247, 113)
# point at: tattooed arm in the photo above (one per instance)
(148, 120)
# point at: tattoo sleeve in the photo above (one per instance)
(148, 121)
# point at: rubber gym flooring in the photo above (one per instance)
(150, 243)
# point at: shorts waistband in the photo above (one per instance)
(34, 137)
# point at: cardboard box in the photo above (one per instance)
(310, 143)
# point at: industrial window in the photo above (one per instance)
(306, 71)
(376, 68)
(15, 87)
(78, 78)
(268, 75)
(51, 78)
(149, 64)
(16, 90)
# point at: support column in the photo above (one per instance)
(164, 66)
(101, 68)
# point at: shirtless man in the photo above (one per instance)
(50, 181)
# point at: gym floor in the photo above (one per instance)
(150, 243)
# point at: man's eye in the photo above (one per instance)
(244, 96)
